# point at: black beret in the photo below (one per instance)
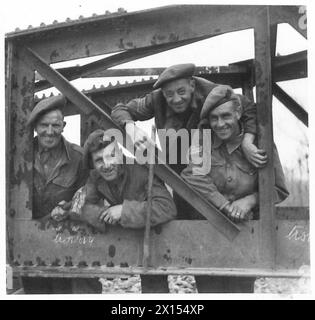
(45, 105)
(217, 96)
(95, 139)
(177, 71)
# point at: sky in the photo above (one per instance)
(290, 135)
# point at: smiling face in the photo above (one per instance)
(224, 120)
(178, 94)
(49, 128)
(107, 162)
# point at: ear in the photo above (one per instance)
(238, 112)
(192, 83)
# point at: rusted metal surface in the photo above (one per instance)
(20, 156)
(177, 244)
(136, 30)
(290, 103)
(267, 238)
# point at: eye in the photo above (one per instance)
(181, 91)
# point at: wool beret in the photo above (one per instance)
(177, 71)
(45, 105)
(96, 140)
(218, 96)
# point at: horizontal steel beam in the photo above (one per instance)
(75, 272)
(290, 103)
(219, 220)
(89, 69)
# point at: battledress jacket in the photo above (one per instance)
(63, 181)
(132, 193)
(154, 105)
(231, 176)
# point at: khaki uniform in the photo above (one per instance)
(231, 176)
(58, 174)
(131, 192)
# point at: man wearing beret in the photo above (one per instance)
(176, 103)
(58, 173)
(232, 183)
(117, 193)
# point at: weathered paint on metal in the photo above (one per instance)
(20, 157)
(177, 244)
(152, 27)
(267, 237)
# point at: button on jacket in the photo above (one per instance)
(58, 174)
(231, 176)
(132, 193)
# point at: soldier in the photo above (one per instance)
(116, 193)
(58, 174)
(232, 183)
(176, 103)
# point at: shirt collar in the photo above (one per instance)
(232, 145)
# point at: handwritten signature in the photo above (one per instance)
(84, 240)
(298, 233)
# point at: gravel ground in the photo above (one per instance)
(186, 284)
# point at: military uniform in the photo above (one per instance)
(131, 191)
(231, 177)
(58, 173)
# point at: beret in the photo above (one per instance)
(45, 105)
(174, 72)
(217, 96)
(96, 138)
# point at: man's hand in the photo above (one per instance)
(111, 215)
(234, 212)
(245, 205)
(60, 212)
(139, 138)
(257, 157)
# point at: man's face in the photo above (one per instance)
(49, 128)
(107, 162)
(178, 94)
(224, 121)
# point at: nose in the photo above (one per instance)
(107, 164)
(176, 98)
(220, 123)
(50, 129)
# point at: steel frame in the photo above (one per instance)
(139, 34)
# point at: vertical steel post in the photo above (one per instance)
(267, 239)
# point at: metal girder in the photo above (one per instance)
(108, 34)
(194, 244)
(290, 103)
(114, 60)
(138, 29)
(293, 15)
(140, 72)
(219, 220)
(265, 137)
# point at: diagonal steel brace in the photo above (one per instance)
(215, 217)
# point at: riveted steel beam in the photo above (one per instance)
(263, 79)
(219, 220)
(290, 103)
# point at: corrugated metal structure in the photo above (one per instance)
(275, 245)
